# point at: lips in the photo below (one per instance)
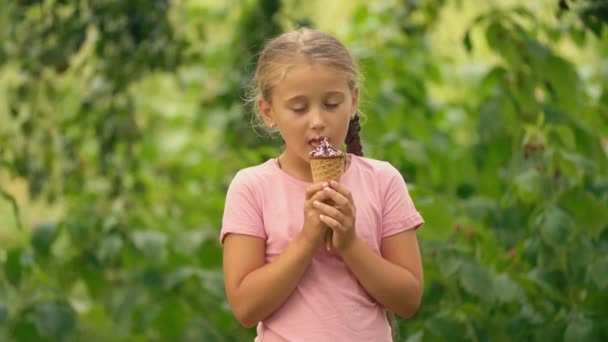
(316, 141)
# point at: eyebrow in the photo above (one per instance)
(302, 97)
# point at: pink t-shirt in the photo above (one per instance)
(328, 304)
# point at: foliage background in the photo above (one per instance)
(121, 125)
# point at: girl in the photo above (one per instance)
(277, 272)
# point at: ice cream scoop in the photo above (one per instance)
(325, 150)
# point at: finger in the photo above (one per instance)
(320, 196)
(342, 190)
(331, 223)
(314, 188)
(340, 200)
(329, 211)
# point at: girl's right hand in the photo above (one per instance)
(314, 229)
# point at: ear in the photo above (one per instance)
(266, 111)
(355, 102)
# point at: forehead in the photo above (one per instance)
(310, 79)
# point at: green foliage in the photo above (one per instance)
(125, 120)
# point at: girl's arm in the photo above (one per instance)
(255, 289)
(393, 278)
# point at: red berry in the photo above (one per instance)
(512, 254)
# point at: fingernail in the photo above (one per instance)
(325, 185)
(334, 183)
(321, 216)
(315, 203)
(327, 189)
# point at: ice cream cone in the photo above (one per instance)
(326, 164)
(325, 169)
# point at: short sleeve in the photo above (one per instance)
(242, 211)
(398, 211)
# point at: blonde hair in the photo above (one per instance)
(280, 53)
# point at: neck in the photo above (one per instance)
(295, 167)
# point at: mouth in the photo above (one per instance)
(316, 141)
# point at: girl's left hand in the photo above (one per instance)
(340, 217)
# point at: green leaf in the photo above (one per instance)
(466, 40)
(109, 248)
(590, 214)
(24, 330)
(597, 272)
(564, 81)
(14, 205)
(477, 280)
(500, 39)
(43, 237)
(54, 320)
(443, 327)
(3, 313)
(556, 227)
(449, 265)
(416, 337)
(566, 136)
(440, 227)
(529, 186)
(13, 268)
(580, 329)
(507, 290)
(171, 320)
(153, 244)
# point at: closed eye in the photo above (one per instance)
(332, 105)
(300, 110)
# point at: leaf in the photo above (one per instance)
(109, 248)
(43, 237)
(416, 337)
(590, 214)
(501, 40)
(556, 227)
(153, 244)
(598, 272)
(360, 15)
(25, 330)
(529, 186)
(13, 267)
(3, 313)
(54, 320)
(466, 41)
(477, 280)
(449, 265)
(580, 329)
(507, 290)
(171, 320)
(443, 327)
(566, 136)
(15, 207)
(563, 80)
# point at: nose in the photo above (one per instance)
(317, 121)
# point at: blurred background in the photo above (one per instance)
(122, 124)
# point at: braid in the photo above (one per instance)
(353, 141)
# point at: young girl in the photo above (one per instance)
(278, 273)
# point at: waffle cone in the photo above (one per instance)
(323, 170)
(327, 168)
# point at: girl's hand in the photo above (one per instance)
(314, 229)
(340, 217)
